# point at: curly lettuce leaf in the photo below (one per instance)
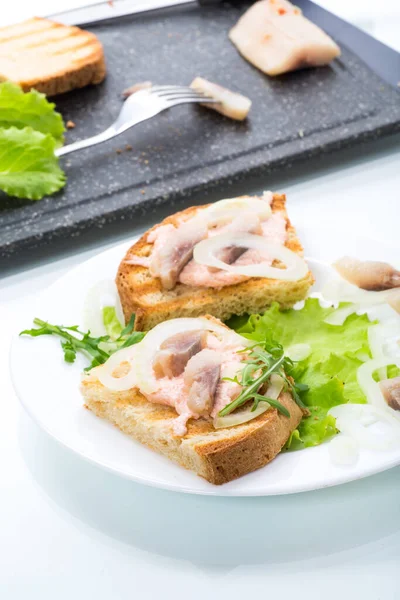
(391, 372)
(111, 323)
(28, 166)
(307, 326)
(330, 371)
(30, 109)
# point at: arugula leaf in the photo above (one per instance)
(129, 327)
(329, 372)
(262, 361)
(73, 341)
(32, 109)
(28, 167)
(83, 342)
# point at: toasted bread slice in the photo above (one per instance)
(143, 294)
(218, 455)
(50, 57)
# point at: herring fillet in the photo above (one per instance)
(174, 354)
(231, 104)
(275, 37)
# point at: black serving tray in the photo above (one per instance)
(163, 161)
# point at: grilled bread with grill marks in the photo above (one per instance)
(218, 455)
(50, 57)
(142, 294)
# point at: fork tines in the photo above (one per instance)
(179, 92)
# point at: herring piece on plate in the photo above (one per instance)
(175, 416)
(390, 389)
(231, 104)
(368, 275)
(201, 377)
(173, 249)
(274, 36)
(175, 353)
(160, 277)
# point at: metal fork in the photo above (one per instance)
(138, 107)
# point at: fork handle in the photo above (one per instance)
(92, 141)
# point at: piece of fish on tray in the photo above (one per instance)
(231, 104)
(275, 37)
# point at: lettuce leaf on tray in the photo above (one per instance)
(330, 371)
(31, 109)
(28, 166)
(30, 131)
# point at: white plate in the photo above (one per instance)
(48, 389)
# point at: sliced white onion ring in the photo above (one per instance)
(140, 356)
(371, 388)
(371, 427)
(225, 210)
(105, 373)
(385, 314)
(154, 338)
(298, 352)
(275, 386)
(237, 418)
(339, 290)
(376, 337)
(338, 317)
(344, 450)
(296, 267)
(386, 336)
(101, 294)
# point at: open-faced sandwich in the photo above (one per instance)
(232, 257)
(200, 394)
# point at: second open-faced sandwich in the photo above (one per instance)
(232, 257)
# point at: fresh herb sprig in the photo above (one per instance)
(98, 349)
(264, 360)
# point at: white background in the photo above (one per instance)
(69, 530)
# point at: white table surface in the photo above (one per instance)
(69, 530)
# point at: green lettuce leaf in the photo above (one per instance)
(330, 371)
(391, 371)
(31, 109)
(111, 322)
(307, 326)
(28, 167)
